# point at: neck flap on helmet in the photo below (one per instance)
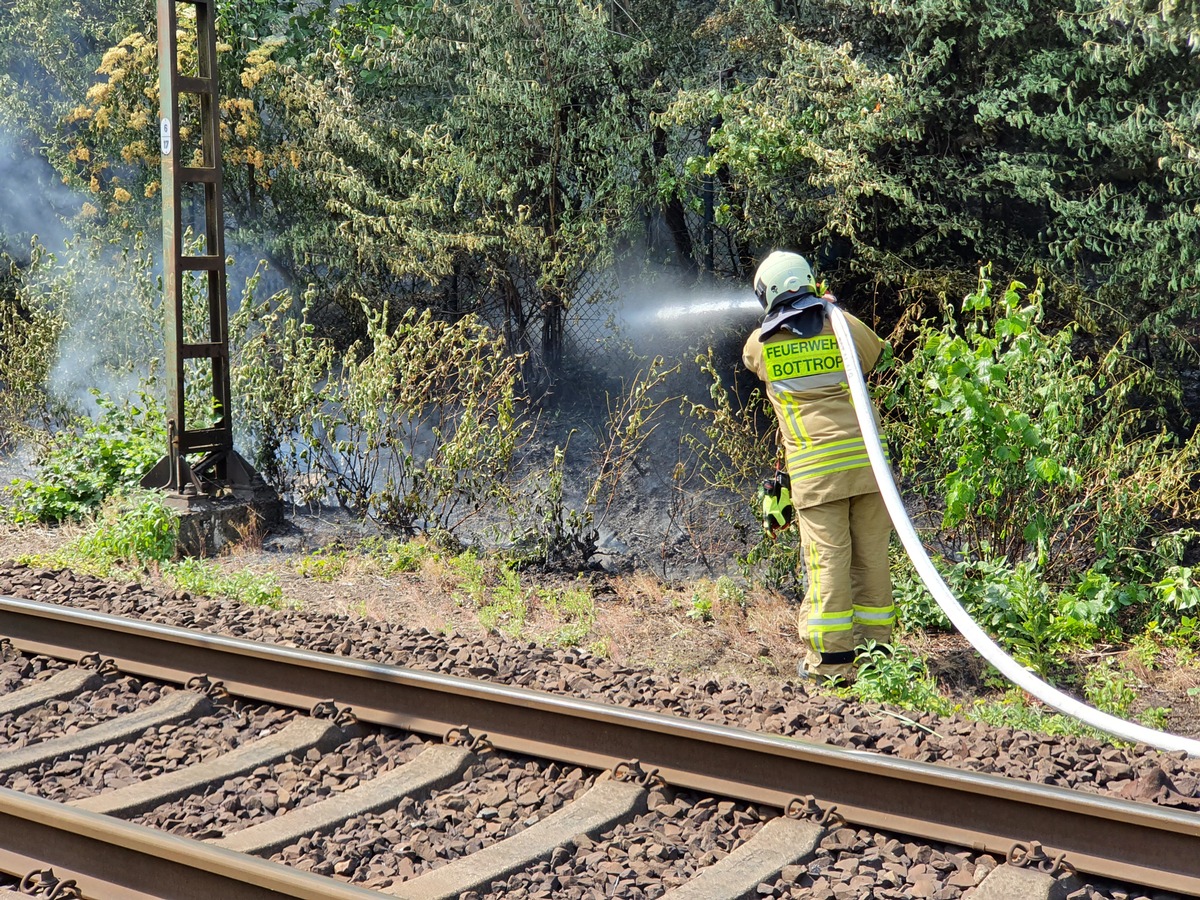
(803, 317)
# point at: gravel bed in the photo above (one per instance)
(1137, 772)
(18, 670)
(676, 840)
(498, 797)
(161, 749)
(276, 789)
(57, 718)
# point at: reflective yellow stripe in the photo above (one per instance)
(858, 462)
(832, 448)
(875, 615)
(816, 637)
(793, 421)
(822, 461)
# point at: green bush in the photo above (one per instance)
(1035, 624)
(1035, 452)
(915, 606)
(133, 528)
(131, 531)
(85, 465)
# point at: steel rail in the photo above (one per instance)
(1125, 841)
(116, 860)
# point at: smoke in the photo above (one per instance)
(33, 200)
(109, 298)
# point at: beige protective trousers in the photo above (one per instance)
(848, 601)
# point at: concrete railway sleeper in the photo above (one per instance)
(174, 867)
(616, 831)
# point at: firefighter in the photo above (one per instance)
(844, 525)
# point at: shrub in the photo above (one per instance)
(85, 465)
(1033, 451)
(412, 427)
(1035, 624)
(132, 528)
(28, 337)
(543, 528)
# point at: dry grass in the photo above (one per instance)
(636, 619)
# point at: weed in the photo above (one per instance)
(1155, 717)
(701, 609)
(1146, 649)
(469, 572)
(497, 595)
(1110, 688)
(206, 579)
(1045, 456)
(632, 419)
(1183, 635)
(575, 609)
(416, 425)
(250, 535)
(325, 564)
(915, 606)
(392, 556)
(1177, 592)
(373, 554)
(1016, 712)
(601, 647)
(130, 531)
(90, 462)
(555, 534)
(730, 594)
(1035, 624)
(897, 676)
(507, 606)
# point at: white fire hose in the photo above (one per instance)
(1007, 666)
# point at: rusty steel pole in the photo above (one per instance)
(190, 141)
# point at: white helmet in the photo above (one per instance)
(782, 276)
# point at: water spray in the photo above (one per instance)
(649, 306)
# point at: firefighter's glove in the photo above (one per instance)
(776, 494)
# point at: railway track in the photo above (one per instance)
(394, 795)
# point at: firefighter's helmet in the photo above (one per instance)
(782, 276)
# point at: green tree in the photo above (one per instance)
(505, 142)
(913, 140)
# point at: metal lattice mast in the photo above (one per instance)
(190, 140)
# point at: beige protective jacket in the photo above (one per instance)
(806, 384)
